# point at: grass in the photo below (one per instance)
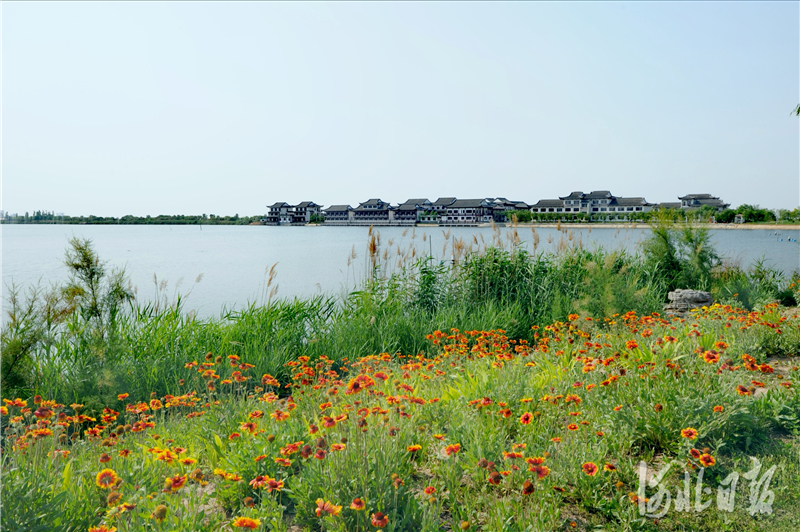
(481, 407)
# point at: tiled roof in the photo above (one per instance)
(279, 204)
(444, 201)
(418, 201)
(338, 208)
(597, 194)
(574, 195)
(629, 202)
(467, 203)
(548, 203)
(697, 196)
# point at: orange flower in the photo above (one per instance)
(283, 462)
(527, 487)
(617, 408)
(555, 440)
(102, 528)
(589, 468)
(609, 468)
(707, 460)
(123, 396)
(631, 344)
(695, 453)
(106, 478)
(452, 449)
(380, 520)
(526, 418)
(260, 481)
(718, 409)
(256, 414)
(742, 390)
(175, 483)
(357, 504)
(327, 507)
(711, 357)
(104, 458)
(279, 415)
(246, 522)
(429, 490)
(572, 426)
(690, 433)
(413, 448)
(541, 471)
(274, 484)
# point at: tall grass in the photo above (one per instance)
(87, 340)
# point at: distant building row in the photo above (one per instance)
(603, 202)
(466, 212)
(444, 211)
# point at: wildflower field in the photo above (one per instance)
(479, 432)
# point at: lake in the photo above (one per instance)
(234, 260)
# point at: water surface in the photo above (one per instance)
(233, 260)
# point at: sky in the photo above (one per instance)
(115, 108)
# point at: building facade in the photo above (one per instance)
(595, 204)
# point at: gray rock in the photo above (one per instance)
(683, 301)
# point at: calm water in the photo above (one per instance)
(233, 260)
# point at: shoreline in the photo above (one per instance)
(645, 226)
(595, 225)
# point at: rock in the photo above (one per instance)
(682, 301)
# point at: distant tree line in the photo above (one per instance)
(49, 217)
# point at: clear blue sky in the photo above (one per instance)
(155, 107)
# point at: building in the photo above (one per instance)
(696, 201)
(338, 215)
(596, 203)
(373, 212)
(412, 211)
(501, 206)
(279, 213)
(468, 212)
(303, 212)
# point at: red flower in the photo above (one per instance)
(690, 433)
(175, 483)
(526, 418)
(707, 460)
(357, 504)
(452, 449)
(327, 507)
(527, 487)
(380, 520)
(246, 522)
(589, 468)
